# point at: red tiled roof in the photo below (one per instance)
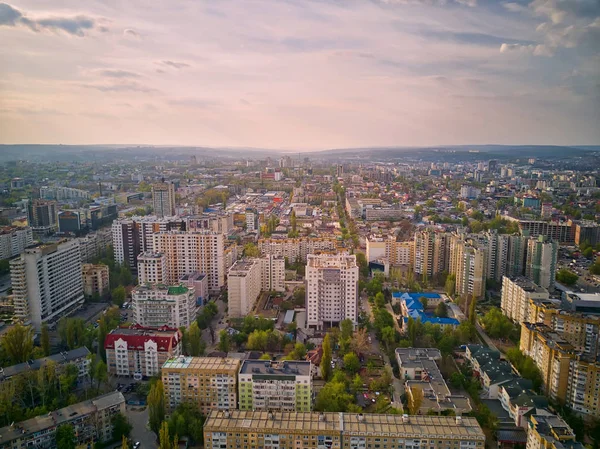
(166, 338)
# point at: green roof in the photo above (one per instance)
(177, 290)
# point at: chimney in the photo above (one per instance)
(405, 418)
(458, 420)
(361, 417)
(322, 417)
(226, 414)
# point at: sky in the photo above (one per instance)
(300, 74)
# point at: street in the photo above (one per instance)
(138, 419)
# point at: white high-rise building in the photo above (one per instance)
(188, 252)
(158, 305)
(243, 286)
(516, 294)
(252, 224)
(13, 241)
(47, 282)
(296, 249)
(331, 289)
(541, 261)
(152, 268)
(272, 273)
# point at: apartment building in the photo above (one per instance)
(91, 421)
(94, 244)
(587, 231)
(41, 216)
(152, 268)
(272, 273)
(548, 431)
(47, 282)
(296, 249)
(331, 289)
(192, 251)
(208, 382)
(221, 222)
(95, 279)
(199, 282)
(275, 386)
(516, 296)
(138, 351)
(78, 357)
(396, 253)
(161, 305)
(568, 377)
(562, 232)
(243, 286)
(132, 236)
(541, 262)
(292, 430)
(14, 240)
(163, 199)
(469, 264)
(424, 248)
(252, 223)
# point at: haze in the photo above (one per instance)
(300, 74)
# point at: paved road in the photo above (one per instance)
(220, 317)
(139, 432)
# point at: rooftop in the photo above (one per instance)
(202, 363)
(346, 423)
(283, 368)
(34, 365)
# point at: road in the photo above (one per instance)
(218, 324)
(138, 419)
(398, 387)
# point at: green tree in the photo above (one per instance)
(326, 358)
(351, 363)
(566, 277)
(333, 397)
(45, 340)
(424, 302)
(164, 439)
(415, 400)
(347, 329)
(196, 344)
(156, 406)
(121, 427)
(17, 343)
(251, 250)
(472, 310)
(102, 333)
(441, 310)
(224, 341)
(450, 285)
(118, 295)
(124, 443)
(65, 437)
(293, 220)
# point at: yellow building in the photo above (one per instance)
(208, 382)
(302, 430)
(568, 376)
(550, 432)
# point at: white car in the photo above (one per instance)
(136, 445)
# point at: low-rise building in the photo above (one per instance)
(548, 431)
(139, 352)
(91, 421)
(289, 430)
(281, 386)
(161, 305)
(95, 279)
(208, 382)
(199, 282)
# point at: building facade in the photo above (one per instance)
(548, 431)
(13, 241)
(163, 199)
(152, 268)
(208, 382)
(160, 305)
(243, 286)
(296, 250)
(41, 215)
(516, 295)
(541, 262)
(139, 352)
(275, 386)
(331, 289)
(47, 283)
(95, 279)
(292, 430)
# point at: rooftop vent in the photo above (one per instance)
(405, 418)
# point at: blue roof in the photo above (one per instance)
(416, 311)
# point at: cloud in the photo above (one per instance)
(75, 26)
(128, 86)
(131, 33)
(559, 10)
(470, 3)
(175, 65)
(514, 7)
(533, 49)
(116, 73)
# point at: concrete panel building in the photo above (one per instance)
(161, 305)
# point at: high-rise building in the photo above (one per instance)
(468, 262)
(132, 236)
(331, 289)
(41, 215)
(568, 377)
(90, 420)
(245, 429)
(424, 247)
(13, 241)
(516, 296)
(275, 386)
(541, 262)
(188, 252)
(548, 431)
(396, 253)
(138, 351)
(272, 273)
(152, 268)
(243, 287)
(47, 282)
(252, 224)
(208, 382)
(95, 279)
(163, 199)
(587, 232)
(159, 305)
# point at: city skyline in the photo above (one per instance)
(311, 75)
